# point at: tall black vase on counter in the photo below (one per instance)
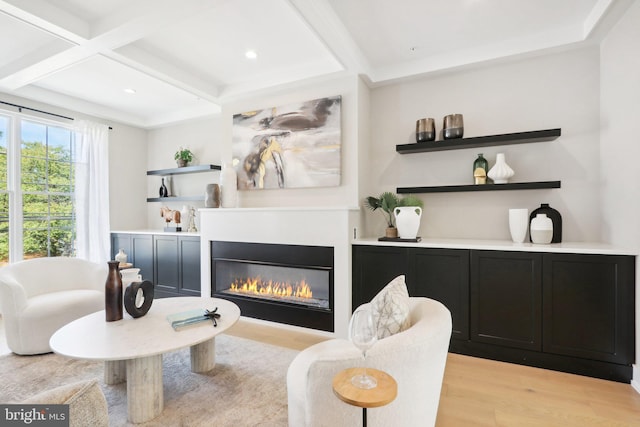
(555, 218)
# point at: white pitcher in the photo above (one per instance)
(408, 221)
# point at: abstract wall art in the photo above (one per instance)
(292, 146)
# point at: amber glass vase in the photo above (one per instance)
(113, 293)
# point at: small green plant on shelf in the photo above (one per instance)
(183, 156)
(387, 202)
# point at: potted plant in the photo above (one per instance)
(388, 202)
(408, 214)
(183, 156)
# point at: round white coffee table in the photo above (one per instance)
(132, 348)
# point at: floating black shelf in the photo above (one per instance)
(485, 187)
(175, 199)
(186, 169)
(480, 141)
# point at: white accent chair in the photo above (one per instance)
(40, 295)
(415, 357)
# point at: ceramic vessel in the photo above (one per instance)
(518, 224)
(541, 229)
(500, 172)
(555, 218)
(113, 293)
(229, 186)
(408, 221)
(425, 130)
(453, 126)
(121, 257)
(212, 196)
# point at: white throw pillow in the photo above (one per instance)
(390, 308)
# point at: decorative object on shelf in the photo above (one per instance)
(169, 183)
(387, 202)
(310, 131)
(212, 196)
(518, 224)
(169, 216)
(138, 297)
(164, 192)
(541, 229)
(113, 293)
(229, 186)
(408, 221)
(121, 256)
(192, 220)
(500, 172)
(554, 216)
(184, 214)
(453, 126)
(480, 167)
(425, 130)
(183, 157)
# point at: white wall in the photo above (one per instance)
(203, 138)
(620, 142)
(552, 91)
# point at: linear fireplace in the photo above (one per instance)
(290, 284)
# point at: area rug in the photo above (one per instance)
(246, 388)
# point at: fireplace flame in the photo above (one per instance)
(256, 286)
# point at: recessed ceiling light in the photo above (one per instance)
(251, 54)
(130, 91)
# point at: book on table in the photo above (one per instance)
(187, 318)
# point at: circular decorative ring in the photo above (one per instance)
(138, 305)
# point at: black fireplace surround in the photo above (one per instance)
(311, 265)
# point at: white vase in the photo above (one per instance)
(518, 224)
(121, 257)
(228, 186)
(541, 229)
(500, 172)
(408, 221)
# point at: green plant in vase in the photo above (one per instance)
(183, 157)
(387, 202)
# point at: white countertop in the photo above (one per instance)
(175, 233)
(505, 245)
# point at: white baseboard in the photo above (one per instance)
(635, 380)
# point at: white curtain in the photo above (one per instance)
(92, 191)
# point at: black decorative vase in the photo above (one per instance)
(163, 190)
(113, 293)
(135, 304)
(555, 218)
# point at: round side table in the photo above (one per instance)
(385, 392)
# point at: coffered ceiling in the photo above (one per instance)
(185, 58)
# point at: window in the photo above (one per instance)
(37, 216)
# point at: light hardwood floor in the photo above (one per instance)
(479, 392)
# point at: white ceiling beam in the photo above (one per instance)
(603, 17)
(46, 17)
(115, 33)
(322, 19)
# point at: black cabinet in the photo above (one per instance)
(139, 250)
(170, 262)
(374, 267)
(440, 274)
(506, 298)
(588, 307)
(563, 311)
(443, 275)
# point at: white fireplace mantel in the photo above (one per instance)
(331, 226)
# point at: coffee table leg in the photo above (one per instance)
(115, 371)
(203, 356)
(145, 398)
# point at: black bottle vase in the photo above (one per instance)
(163, 190)
(555, 218)
(113, 293)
